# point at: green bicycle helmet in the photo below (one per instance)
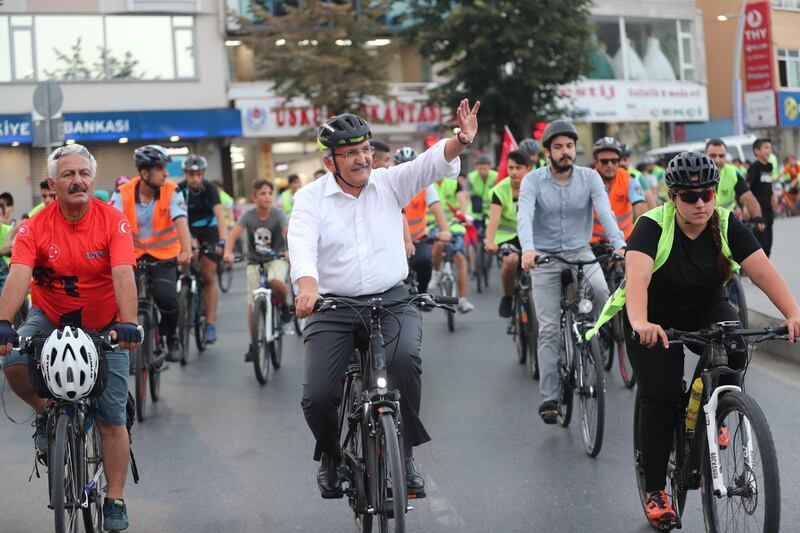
(342, 130)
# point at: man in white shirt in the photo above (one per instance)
(346, 239)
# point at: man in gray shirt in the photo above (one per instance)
(555, 217)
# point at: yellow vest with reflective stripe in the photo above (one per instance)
(664, 215)
(726, 190)
(507, 229)
(447, 196)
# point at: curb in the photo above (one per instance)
(784, 350)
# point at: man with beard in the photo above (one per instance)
(555, 216)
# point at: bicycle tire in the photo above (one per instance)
(141, 368)
(479, 280)
(224, 276)
(259, 341)
(592, 420)
(93, 514)
(740, 301)
(392, 515)
(533, 340)
(486, 266)
(607, 347)
(276, 347)
(200, 320)
(520, 335)
(625, 368)
(676, 492)
(446, 285)
(767, 498)
(66, 476)
(566, 370)
(155, 369)
(356, 447)
(185, 316)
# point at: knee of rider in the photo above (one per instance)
(319, 399)
(405, 362)
(16, 374)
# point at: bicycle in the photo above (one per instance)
(447, 283)
(147, 361)
(612, 335)
(267, 334)
(736, 296)
(697, 459)
(224, 275)
(483, 260)
(370, 423)
(580, 370)
(523, 326)
(191, 311)
(76, 476)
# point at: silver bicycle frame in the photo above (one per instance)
(710, 410)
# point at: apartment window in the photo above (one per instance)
(639, 48)
(786, 4)
(789, 67)
(95, 47)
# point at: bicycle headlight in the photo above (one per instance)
(585, 306)
(381, 382)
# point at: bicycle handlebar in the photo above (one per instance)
(148, 264)
(723, 329)
(544, 259)
(420, 300)
(102, 342)
(508, 249)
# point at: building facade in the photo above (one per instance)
(132, 72)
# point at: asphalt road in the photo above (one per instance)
(221, 453)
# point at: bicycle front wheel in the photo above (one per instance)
(200, 321)
(391, 481)
(224, 276)
(520, 330)
(566, 368)
(185, 318)
(276, 348)
(591, 394)
(261, 350)
(749, 467)
(533, 339)
(352, 441)
(93, 514)
(158, 344)
(66, 476)
(448, 290)
(142, 368)
(479, 266)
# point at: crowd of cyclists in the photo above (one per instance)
(361, 228)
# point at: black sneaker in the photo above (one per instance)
(174, 349)
(505, 307)
(248, 355)
(330, 484)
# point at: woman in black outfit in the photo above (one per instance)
(686, 292)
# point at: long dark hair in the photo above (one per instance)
(723, 263)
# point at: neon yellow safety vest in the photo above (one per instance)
(507, 229)
(664, 215)
(726, 190)
(4, 231)
(482, 188)
(287, 201)
(447, 196)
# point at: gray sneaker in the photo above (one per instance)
(40, 436)
(115, 516)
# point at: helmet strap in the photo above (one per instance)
(146, 180)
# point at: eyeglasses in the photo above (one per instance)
(691, 197)
(614, 161)
(352, 154)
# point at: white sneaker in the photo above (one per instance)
(434, 282)
(464, 305)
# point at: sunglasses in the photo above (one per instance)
(691, 197)
(609, 161)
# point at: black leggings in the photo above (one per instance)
(659, 377)
(422, 263)
(165, 293)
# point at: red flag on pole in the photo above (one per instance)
(509, 145)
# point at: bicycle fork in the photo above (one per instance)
(266, 293)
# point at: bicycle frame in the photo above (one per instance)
(264, 291)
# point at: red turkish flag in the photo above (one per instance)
(509, 145)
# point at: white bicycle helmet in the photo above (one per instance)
(69, 363)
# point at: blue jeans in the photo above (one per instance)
(111, 404)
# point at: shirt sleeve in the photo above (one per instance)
(120, 242)
(116, 201)
(753, 174)
(408, 179)
(741, 187)
(431, 196)
(177, 206)
(24, 250)
(496, 199)
(212, 194)
(644, 237)
(741, 240)
(525, 211)
(603, 209)
(244, 219)
(635, 192)
(304, 236)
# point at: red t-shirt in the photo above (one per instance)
(72, 263)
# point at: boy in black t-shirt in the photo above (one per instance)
(759, 178)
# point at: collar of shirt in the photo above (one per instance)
(332, 186)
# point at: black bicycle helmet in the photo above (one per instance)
(342, 130)
(556, 128)
(690, 170)
(151, 156)
(405, 154)
(194, 163)
(606, 144)
(626, 150)
(529, 146)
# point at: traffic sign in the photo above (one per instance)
(48, 98)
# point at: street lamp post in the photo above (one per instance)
(736, 95)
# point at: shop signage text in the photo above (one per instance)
(636, 101)
(757, 48)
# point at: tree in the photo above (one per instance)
(320, 51)
(73, 67)
(106, 66)
(510, 54)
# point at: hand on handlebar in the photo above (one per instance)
(529, 260)
(229, 258)
(793, 323)
(491, 247)
(649, 334)
(304, 303)
(184, 256)
(445, 236)
(8, 337)
(410, 249)
(128, 334)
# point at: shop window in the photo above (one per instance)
(22, 56)
(789, 67)
(130, 55)
(69, 47)
(636, 48)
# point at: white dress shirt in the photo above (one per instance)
(354, 246)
